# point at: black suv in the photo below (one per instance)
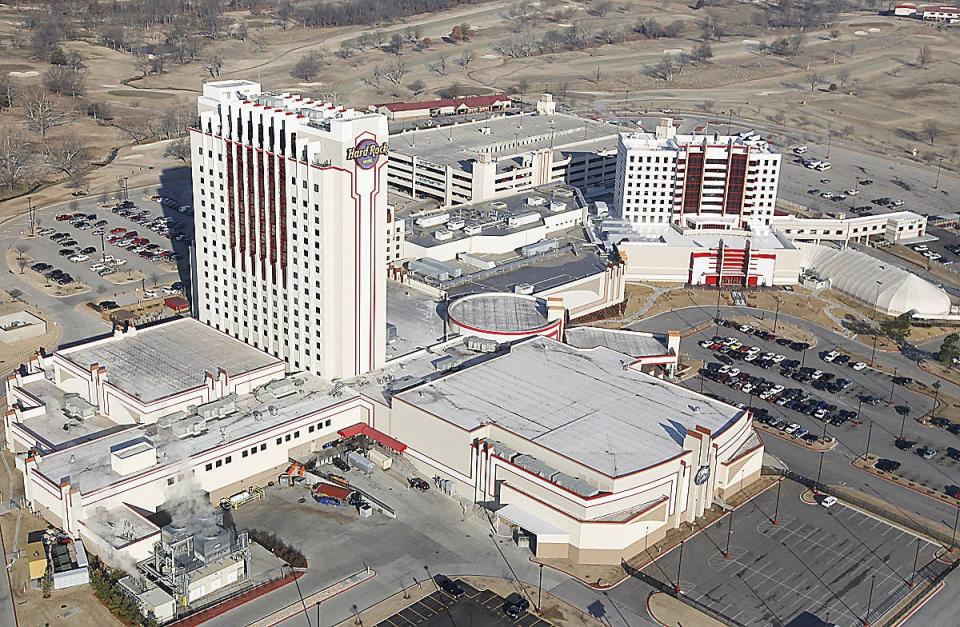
(887, 465)
(452, 588)
(341, 463)
(515, 605)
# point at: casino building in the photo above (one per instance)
(291, 218)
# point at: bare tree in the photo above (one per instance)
(308, 66)
(924, 55)
(932, 129)
(396, 71)
(43, 111)
(666, 69)
(214, 64)
(17, 165)
(22, 260)
(522, 87)
(417, 87)
(843, 77)
(600, 8)
(439, 66)
(67, 155)
(396, 44)
(178, 149)
(465, 59)
(814, 79)
(64, 80)
(9, 88)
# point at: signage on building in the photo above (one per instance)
(702, 475)
(367, 152)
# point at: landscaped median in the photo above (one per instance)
(822, 444)
(867, 464)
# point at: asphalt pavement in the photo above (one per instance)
(852, 441)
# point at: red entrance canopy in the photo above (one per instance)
(377, 436)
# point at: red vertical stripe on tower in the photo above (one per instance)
(252, 209)
(231, 202)
(241, 209)
(272, 209)
(282, 177)
(262, 210)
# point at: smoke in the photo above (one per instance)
(189, 506)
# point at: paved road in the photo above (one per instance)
(8, 614)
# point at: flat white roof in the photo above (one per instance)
(89, 465)
(581, 403)
(632, 343)
(168, 358)
(499, 312)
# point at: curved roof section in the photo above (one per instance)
(501, 312)
(856, 274)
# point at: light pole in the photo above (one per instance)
(869, 434)
(953, 538)
(540, 592)
(816, 489)
(866, 618)
(676, 588)
(936, 398)
(776, 315)
(726, 552)
(776, 508)
(893, 385)
(939, 165)
(915, 558)
(856, 420)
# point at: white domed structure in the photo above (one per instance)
(883, 286)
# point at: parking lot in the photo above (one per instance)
(817, 562)
(131, 249)
(867, 396)
(475, 607)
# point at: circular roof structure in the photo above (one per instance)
(501, 313)
(885, 287)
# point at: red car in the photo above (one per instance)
(63, 217)
(140, 241)
(133, 234)
(119, 229)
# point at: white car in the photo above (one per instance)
(745, 328)
(705, 343)
(754, 350)
(829, 357)
(97, 267)
(790, 428)
(150, 294)
(828, 501)
(817, 374)
(852, 192)
(747, 388)
(724, 369)
(778, 358)
(78, 258)
(799, 150)
(734, 372)
(119, 262)
(859, 366)
(776, 389)
(751, 357)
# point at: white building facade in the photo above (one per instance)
(665, 178)
(291, 219)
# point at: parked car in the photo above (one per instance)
(887, 465)
(515, 605)
(341, 464)
(452, 588)
(418, 484)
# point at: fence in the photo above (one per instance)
(671, 590)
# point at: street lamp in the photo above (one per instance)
(540, 592)
(939, 165)
(676, 588)
(726, 552)
(776, 315)
(876, 333)
(816, 489)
